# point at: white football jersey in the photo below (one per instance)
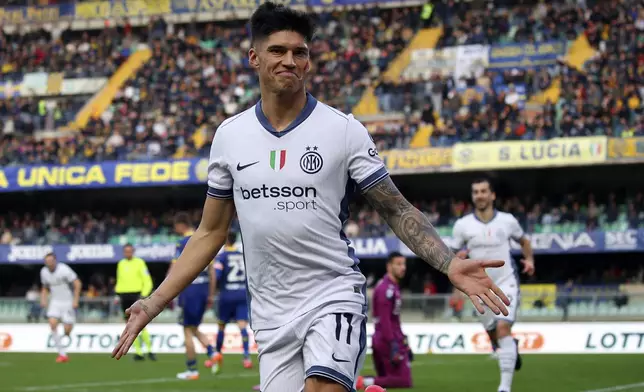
(59, 282)
(291, 190)
(489, 241)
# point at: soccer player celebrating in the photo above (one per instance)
(57, 280)
(194, 301)
(133, 281)
(390, 351)
(288, 167)
(486, 234)
(233, 305)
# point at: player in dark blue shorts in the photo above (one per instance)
(194, 301)
(233, 304)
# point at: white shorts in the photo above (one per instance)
(511, 289)
(63, 311)
(329, 341)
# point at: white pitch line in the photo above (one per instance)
(153, 389)
(179, 390)
(618, 388)
(97, 384)
(121, 383)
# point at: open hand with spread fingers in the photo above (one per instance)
(139, 315)
(470, 277)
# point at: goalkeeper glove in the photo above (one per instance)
(406, 343)
(396, 354)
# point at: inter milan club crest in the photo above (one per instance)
(311, 162)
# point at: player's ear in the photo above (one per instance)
(307, 68)
(253, 58)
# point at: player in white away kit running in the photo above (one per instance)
(61, 284)
(486, 234)
(288, 166)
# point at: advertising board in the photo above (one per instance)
(436, 338)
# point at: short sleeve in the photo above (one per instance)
(220, 181)
(458, 238)
(365, 166)
(70, 275)
(516, 231)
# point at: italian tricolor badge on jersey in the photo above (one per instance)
(278, 159)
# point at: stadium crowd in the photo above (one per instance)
(604, 98)
(198, 75)
(572, 213)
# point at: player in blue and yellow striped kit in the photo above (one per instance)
(233, 305)
(194, 301)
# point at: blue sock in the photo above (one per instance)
(210, 350)
(244, 334)
(191, 364)
(220, 339)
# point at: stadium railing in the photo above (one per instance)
(599, 306)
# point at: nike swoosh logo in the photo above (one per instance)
(240, 167)
(338, 360)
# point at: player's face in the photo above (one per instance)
(179, 228)
(282, 61)
(50, 262)
(128, 252)
(482, 195)
(398, 267)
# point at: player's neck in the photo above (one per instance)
(485, 215)
(281, 110)
(392, 278)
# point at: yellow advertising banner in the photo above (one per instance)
(624, 148)
(417, 160)
(121, 8)
(538, 296)
(537, 153)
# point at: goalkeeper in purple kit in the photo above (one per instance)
(391, 355)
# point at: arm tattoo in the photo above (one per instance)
(149, 310)
(410, 225)
(146, 309)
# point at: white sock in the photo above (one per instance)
(507, 352)
(59, 346)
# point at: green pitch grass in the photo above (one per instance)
(439, 373)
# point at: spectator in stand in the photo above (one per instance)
(429, 289)
(33, 300)
(457, 303)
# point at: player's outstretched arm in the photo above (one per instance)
(415, 230)
(78, 286)
(198, 252)
(528, 256)
(44, 295)
(410, 225)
